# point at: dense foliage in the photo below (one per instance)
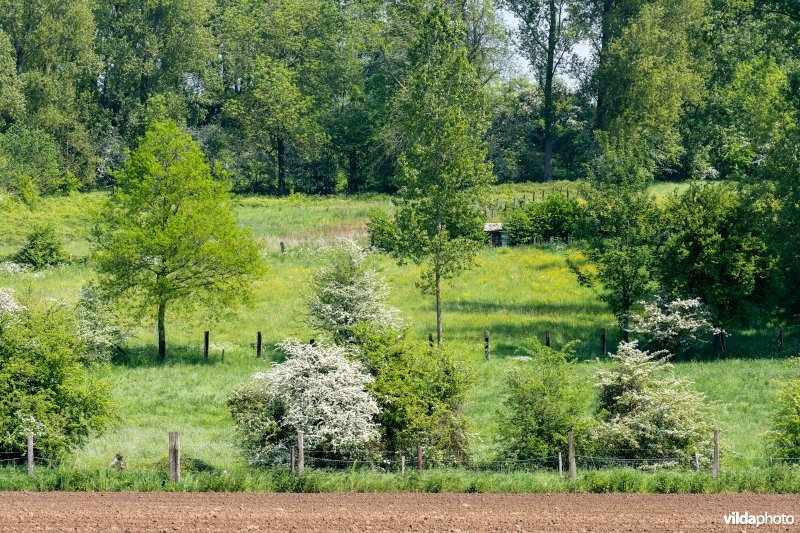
(45, 387)
(543, 404)
(42, 248)
(167, 237)
(645, 412)
(318, 391)
(555, 217)
(783, 439)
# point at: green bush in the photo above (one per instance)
(555, 217)
(420, 391)
(42, 249)
(382, 231)
(783, 439)
(543, 404)
(45, 389)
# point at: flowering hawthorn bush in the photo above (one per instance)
(673, 325)
(96, 326)
(318, 391)
(345, 292)
(645, 411)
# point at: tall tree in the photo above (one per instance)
(548, 32)
(441, 118)
(168, 237)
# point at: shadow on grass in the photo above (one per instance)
(147, 356)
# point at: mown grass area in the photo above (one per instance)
(514, 293)
(770, 480)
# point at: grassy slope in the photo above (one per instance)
(514, 293)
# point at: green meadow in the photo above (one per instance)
(515, 293)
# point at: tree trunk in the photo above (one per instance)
(162, 334)
(605, 37)
(438, 310)
(281, 167)
(549, 107)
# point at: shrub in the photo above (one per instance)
(42, 248)
(317, 390)
(644, 411)
(543, 404)
(420, 391)
(44, 387)
(382, 231)
(673, 325)
(783, 439)
(345, 292)
(556, 216)
(96, 326)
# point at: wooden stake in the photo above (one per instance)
(258, 345)
(715, 465)
(697, 461)
(560, 466)
(222, 360)
(548, 341)
(780, 337)
(205, 345)
(486, 347)
(603, 348)
(301, 463)
(174, 457)
(283, 248)
(419, 459)
(403, 465)
(294, 451)
(573, 470)
(430, 339)
(30, 454)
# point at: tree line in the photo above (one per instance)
(301, 95)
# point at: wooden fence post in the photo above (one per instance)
(560, 465)
(301, 460)
(419, 459)
(573, 470)
(222, 359)
(715, 466)
(205, 345)
(780, 337)
(294, 451)
(603, 348)
(174, 457)
(283, 248)
(30, 454)
(430, 339)
(548, 341)
(403, 465)
(486, 347)
(259, 345)
(697, 461)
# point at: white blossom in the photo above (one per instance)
(96, 326)
(345, 293)
(674, 325)
(318, 391)
(8, 305)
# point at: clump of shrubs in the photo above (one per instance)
(644, 411)
(783, 439)
(543, 403)
(42, 249)
(318, 391)
(61, 402)
(556, 217)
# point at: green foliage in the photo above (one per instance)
(555, 217)
(783, 439)
(441, 118)
(717, 244)
(168, 237)
(420, 391)
(543, 403)
(645, 412)
(29, 163)
(42, 249)
(619, 231)
(383, 231)
(45, 387)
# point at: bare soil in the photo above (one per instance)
(383, 512)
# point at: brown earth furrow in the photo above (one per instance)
(384, 512)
